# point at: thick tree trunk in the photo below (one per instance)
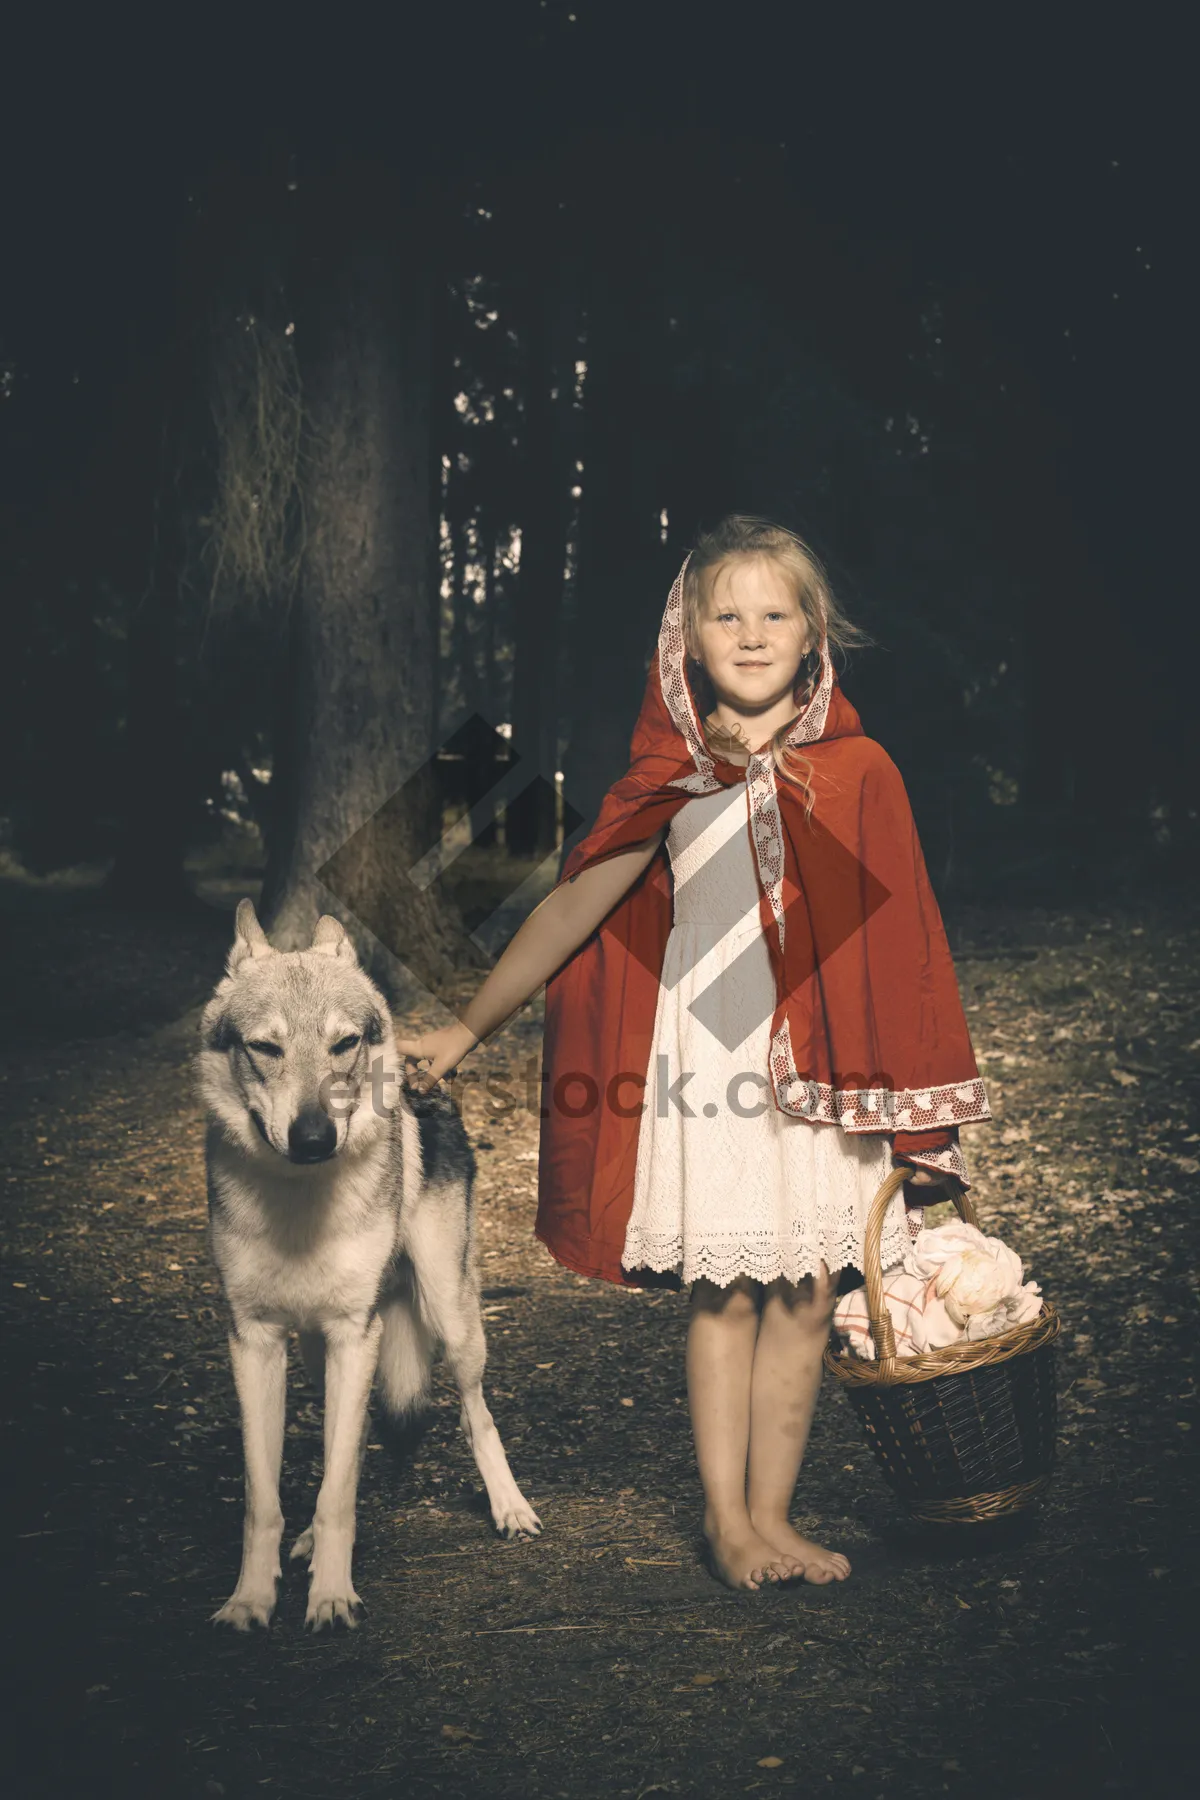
(358, 750)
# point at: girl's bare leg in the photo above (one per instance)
(786, 1377)
(720, 1356)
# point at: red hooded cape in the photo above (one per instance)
(868, 1030)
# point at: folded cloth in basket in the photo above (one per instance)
(953, 1285)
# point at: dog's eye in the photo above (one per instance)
(262, 1047)
(345, 1044)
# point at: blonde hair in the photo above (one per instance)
(744, 535)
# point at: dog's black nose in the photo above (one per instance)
(312, 1136)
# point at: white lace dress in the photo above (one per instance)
(732, 1186)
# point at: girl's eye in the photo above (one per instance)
(345, 1044)
(262, 1048)
(721, 617)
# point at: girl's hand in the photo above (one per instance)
(922, 1177)
(443, 1050)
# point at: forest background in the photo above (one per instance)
(360, 403)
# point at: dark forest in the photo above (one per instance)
(364, 378)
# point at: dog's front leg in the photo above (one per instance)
(259, 1355)
(351, 1352)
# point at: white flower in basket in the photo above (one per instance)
(954, 1285)
(978, 1278)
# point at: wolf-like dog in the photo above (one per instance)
(340, 1205)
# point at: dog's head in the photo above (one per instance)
(297, 1059)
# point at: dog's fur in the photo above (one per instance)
(343, 1211)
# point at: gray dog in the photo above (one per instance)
(339, 1208)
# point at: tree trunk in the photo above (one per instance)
(622, 562)
(489, 772)
(491, 672)
(154, 794)
(530, 825)
(462, 608)
(359, 743)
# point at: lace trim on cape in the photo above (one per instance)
(873, 1109)
(678, 695)
(949, 1161)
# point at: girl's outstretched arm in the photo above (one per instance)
(553, 931)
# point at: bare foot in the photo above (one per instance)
(742, 1559)
(818, 1564)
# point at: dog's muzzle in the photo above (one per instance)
(312, 1136)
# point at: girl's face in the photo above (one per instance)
(753, 634)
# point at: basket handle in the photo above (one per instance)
(880, 1318)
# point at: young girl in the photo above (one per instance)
(751, 1016)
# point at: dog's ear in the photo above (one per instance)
(249, 938)
(332, 939)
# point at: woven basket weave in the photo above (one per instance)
(964, 1434)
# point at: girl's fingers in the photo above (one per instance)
(922, 1178)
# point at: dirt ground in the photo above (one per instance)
(600, 1659)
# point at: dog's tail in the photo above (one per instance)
(406, 1353)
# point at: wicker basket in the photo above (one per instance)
(963, 1434)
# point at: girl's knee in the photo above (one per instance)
(739, 1299)
(809, 1301)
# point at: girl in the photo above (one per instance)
(767, 1021)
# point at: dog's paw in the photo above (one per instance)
(244, 1610)
(303, 1545)
(517, 1519)
(334, 1609)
